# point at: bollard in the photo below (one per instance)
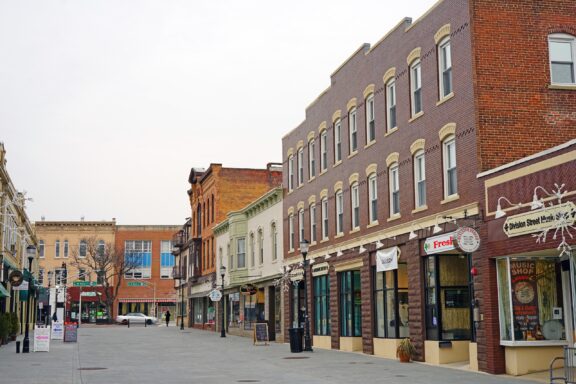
(145, 323)
(128, 323)
(17, 347)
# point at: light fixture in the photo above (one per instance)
(327, 256)
(304, 244)
(379, 244)
(499, 212)
(437, 229)
(339, 253)
(361, 249)
(311, 261)
(412, 235)
(539, 203)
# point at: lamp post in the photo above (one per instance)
(307, 341)
(181, 296)
(30, 252)
(223, 330)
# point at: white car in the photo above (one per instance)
(136, 318)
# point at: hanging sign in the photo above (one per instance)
(16, 278)
(297, 274)
(23, 286)
(387, 259)
(467, 239)
(215, 295)
(540, 220)
(441, 243)
(248, 289)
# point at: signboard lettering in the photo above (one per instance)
(524, 295)
(441, 243)
(387, 259)
(70, 332)
(215, 295)
(467, 239)
(261, 333)
(539, 220)
(41, 339)
(320, 269)
(57, 330)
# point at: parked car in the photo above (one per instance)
(135, 318)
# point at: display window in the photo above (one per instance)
(350, 304)
(530, 299)
(391, 303)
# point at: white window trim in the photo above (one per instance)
(370, 118)
(417, 170)
(372, 196)
(355, 205)
(312, 210)
(300, 161)
(391, 96)
(324, 213)
(337, 141)
(323, 151)
(339, 211)
(441, 64)
(311, 159)
(291, 173)
(416, 64)
(394, 186)
(352, 130)
(445, 148)
(565, 38)
(291, 232)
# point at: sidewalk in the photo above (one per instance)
(117, 354)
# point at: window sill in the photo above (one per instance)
(450, 199)
(370, 144)
(337, 163)
(300, 186)
(535, 343)
(339, 235)
(324, 240)
(565, 87)
(353, 154)
(391, 131)
(313, 243)
(416, 116)
(394, 217)
(322, 172)
(357, 229)
(445, 99)
(290, 191)
(420, 209)
(311, 179)
(373, 224)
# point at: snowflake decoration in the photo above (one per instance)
(285, 280)
(563, 223)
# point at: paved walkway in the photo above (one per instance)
(116, 354)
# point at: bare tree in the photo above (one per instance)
(107, 262)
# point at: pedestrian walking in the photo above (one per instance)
(167, 316)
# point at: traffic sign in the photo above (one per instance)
(136, 284)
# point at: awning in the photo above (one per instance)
(3, 291)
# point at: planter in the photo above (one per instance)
(404, 357)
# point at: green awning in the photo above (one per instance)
(9, 263)
(3, 291)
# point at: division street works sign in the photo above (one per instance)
(540, 220)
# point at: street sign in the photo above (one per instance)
(89, 294)
(215, 295)
(85, 284)
(540, 219)
(136, 284)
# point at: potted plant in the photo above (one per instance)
(4, 328)
(13, 325)
(405, 350)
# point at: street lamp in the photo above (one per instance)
(307, 341)
(30, 252)
(223, 330)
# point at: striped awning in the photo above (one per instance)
(147, 300)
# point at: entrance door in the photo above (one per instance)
(569, 290)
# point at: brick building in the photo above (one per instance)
(148, 288)
(214, 193)
(385, 167)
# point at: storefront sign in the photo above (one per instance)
(215, 295)
(539, 220)
(57, 330)
(387, 259)
(16, 278)
(297, 274)
(320, 269)
(89, 294)
(248, 289)
(41, 339)
(524, 294)
(437, 244)
(467, 239)
(70, 333)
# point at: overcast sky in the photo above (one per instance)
(105, 105)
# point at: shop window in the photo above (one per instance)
(530, 300)
(198, 311)
(321, 305)
(447, 298)
(350, 304)
(234, 319)
(391, 303)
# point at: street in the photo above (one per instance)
(117, 354)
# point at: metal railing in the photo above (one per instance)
(569, 369)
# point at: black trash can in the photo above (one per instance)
(296, 339)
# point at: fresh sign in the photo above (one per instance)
(441, 243)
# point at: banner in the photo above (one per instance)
(387, 259)
(524, 295)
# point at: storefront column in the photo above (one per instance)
(334, 309)
(415, 296)
(367, 305)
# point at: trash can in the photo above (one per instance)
(296, 339)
